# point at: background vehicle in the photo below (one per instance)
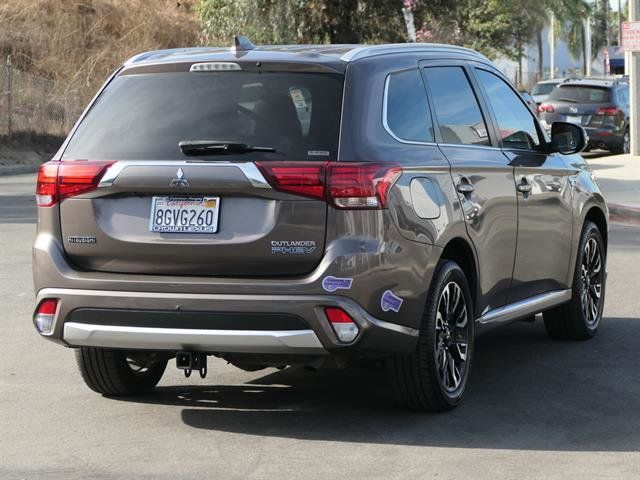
(529, 100)
(296, 205)
(601, 106)
(541, 90)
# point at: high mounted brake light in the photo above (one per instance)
(60, 180)
(343, 185)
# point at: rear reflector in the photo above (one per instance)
(60, 180)
(44, 315)
(343, 185)
(344, 326)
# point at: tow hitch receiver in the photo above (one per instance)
(189, 361)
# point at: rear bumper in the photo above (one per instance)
(199, 322)
(604, 137)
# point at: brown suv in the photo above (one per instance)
(293, 205)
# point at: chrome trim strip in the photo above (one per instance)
(394, 327)
(148, 338)
(249, 170)
(526, 307)
(385, 124)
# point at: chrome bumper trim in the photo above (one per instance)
(224, 341)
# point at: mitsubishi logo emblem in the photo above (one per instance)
(179, 181)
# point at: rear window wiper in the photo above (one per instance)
(566, 100)
(218, 147)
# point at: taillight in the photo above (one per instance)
(300, 178)
(60, 180)
(45, 314)
(343, 185)
(342, 323)
(545, 107)
(607, 111)
(360, 185)
(46, 190)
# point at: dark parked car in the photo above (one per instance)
(600, 106)
(299, 205)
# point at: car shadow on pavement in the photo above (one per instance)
(526, 392)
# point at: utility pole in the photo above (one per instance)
(8, 92)
(632, 68)
(607, 33)
(587, 46)
(552, 47)
(619, 22)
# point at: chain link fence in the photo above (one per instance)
(29, 103)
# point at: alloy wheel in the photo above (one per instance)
(626, 142)
(452, 338)
(592, 275)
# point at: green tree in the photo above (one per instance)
(300, 21)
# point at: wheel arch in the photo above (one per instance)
(596, 215)
(460, 251)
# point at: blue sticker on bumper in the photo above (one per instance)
(331, 284)
(390, 301)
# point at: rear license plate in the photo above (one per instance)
(184, 214)
(577, 119)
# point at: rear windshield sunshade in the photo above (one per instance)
(145, 116)
(581, 94)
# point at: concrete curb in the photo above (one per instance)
(624, 214)
(17, 169)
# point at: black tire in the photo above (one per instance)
(625, 144)
(108, 372)
(415, 377)
(571, 321)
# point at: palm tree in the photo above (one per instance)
(572, 26)
(569, 16)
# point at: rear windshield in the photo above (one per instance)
(543, 88)
(581, 94)
(145, 116)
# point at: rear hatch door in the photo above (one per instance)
(579, 103)
(203, 208)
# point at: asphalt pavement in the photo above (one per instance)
(535, 409)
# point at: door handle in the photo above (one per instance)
(524, 187)
(465, 187)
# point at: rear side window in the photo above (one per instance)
(145, 116)
(581, 94)
(516, 126)
(543, 88)
(456, 107)
(406, 110)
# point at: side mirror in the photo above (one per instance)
(568, 138)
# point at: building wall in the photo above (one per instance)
(565, 65)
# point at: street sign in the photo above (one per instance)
(631, 36)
